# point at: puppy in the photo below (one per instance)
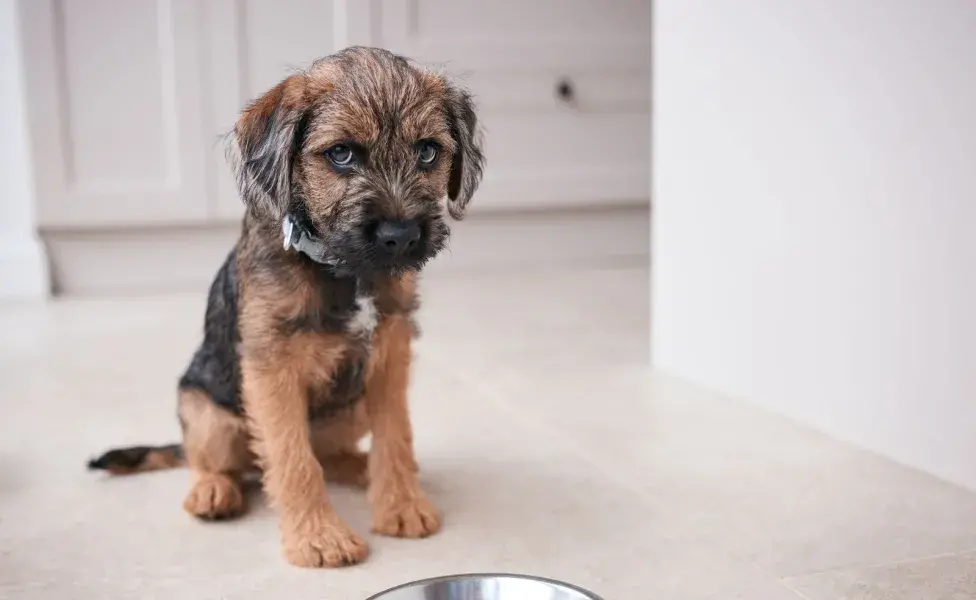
(346, 171)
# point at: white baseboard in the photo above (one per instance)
(185, 259)
(23, 270)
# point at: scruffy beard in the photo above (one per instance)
(353, 255)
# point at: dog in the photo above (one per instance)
(348, 171)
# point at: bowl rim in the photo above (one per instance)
(586, 593)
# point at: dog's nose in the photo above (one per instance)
(397, 236)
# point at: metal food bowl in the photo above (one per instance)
(486, 586)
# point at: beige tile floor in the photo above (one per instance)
(541, 434)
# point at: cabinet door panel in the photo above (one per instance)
(116, 111)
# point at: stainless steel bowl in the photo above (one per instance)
(486, 586)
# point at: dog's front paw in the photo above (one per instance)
(406, 516)
(323, 541)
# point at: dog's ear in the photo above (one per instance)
(468, 161)
(265, 141)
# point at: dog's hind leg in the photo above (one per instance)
(335, 441)
(215, 442)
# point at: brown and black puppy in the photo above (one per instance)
(347, 171)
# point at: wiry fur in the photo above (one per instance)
(300, 360)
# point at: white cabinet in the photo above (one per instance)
(116, 95)
(127, 98)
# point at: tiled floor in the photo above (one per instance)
(540, 433)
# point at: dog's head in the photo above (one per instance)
(368, 151)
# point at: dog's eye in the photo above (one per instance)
(427, 153)
(340, 155)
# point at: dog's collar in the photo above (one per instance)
(298, 238)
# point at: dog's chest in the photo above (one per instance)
(344, 317)
(349, 317)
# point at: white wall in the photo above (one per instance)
(23, 267)
(815, 215)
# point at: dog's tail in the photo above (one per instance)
(139, 459)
